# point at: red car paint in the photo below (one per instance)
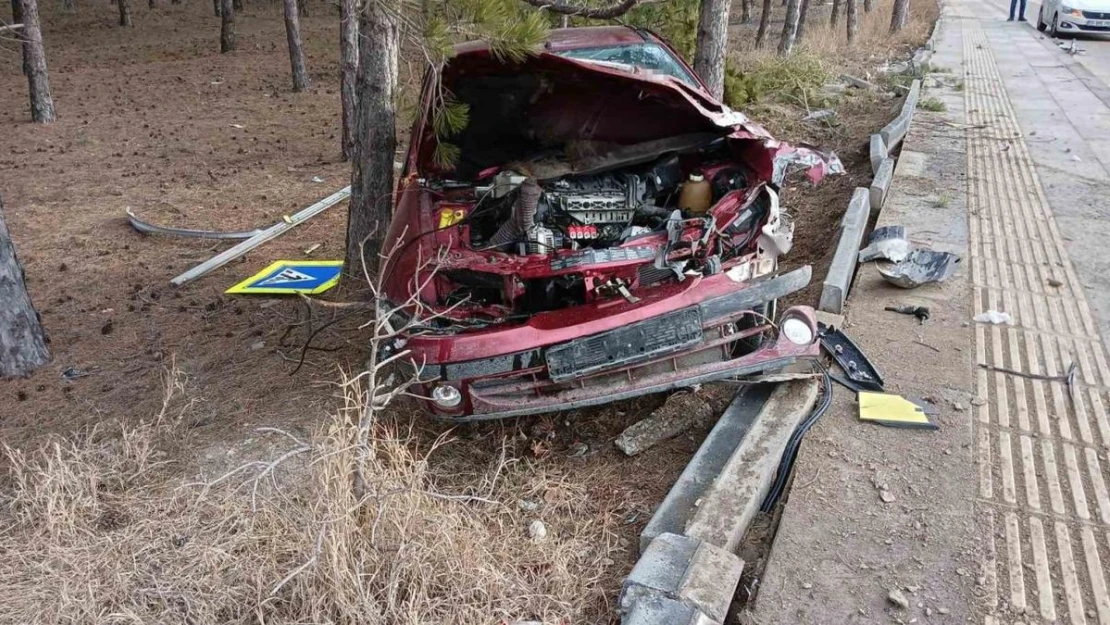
(497, 356)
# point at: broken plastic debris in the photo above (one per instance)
(911, 265)
(887, 242)
(819, 114)
(892, 411)
(814, 162)
(920, 267)
(995, 317)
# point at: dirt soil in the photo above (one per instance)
(155, 119)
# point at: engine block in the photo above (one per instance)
(602, 199)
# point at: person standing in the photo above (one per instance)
(1020, 6)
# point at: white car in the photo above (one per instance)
(1072, 17)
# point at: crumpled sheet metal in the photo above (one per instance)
(920, 267)
(816, 163)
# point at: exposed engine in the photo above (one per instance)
(579, 238)
(580, 211)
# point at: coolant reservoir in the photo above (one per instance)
(696, 196)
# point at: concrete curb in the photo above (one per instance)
(843, 267)
(879, 153)
(896, 130)
(676, 509)
(685, 570)
(727, 509)
(880, 185)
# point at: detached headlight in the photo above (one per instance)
(797, 331)
(1066, 10)
(446, 396)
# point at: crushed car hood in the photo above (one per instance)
(553, 116)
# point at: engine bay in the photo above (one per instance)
(521, 245)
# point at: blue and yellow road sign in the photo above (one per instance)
(288, 277)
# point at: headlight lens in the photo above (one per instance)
(797, 331)
(1070, 11)
(446, 396)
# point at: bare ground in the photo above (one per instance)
(154, 118)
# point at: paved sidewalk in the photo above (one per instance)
(1002, 515)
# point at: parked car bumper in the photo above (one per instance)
(1076, 24)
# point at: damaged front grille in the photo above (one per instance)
(632, 343)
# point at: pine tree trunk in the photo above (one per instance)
(764, 22)
(227, 26)
(789, 27)
(150, 4)
(296, 50)
(375, 139)
(124, 12)
(834, 15)
(22, 341)
(17, 18)
(898, 17)
(867, 6)
(802, 20)
(852, 18)
(216, 7)
(746, 11)
(709, 58)
(302, 8)
(348, 66)
(38, 79)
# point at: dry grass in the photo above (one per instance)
(103, 529)
(874, 40)
(757, 75)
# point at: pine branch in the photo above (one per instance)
(603, 13)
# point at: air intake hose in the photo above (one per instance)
(523, 217)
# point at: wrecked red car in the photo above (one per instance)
(608, 229)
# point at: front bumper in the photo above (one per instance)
(539, 378)
(1075, 24)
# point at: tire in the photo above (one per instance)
(1040, 20)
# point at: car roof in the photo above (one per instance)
(560, 39)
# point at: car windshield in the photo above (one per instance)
(649, 56)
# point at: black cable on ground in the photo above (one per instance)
(791, 451)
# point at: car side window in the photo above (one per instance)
(648, 56)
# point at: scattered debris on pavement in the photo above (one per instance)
(921, 312)
(910, 265)
(887, 242)
(859, 369)
(994, 317)
(920, 267)
(679, 413)
(892, 411)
